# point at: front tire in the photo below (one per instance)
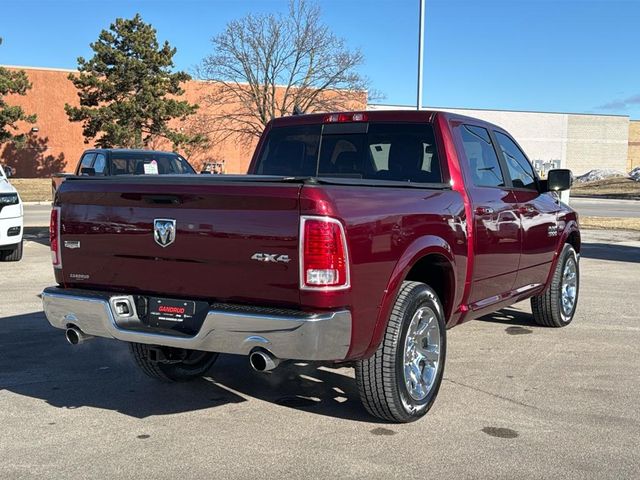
(13, 255)
(400, 382)
(556, 306)
(175, 365)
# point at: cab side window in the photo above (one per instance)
(86, 162)
(520, 170)
(482, 158)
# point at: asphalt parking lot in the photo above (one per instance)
(518, 401)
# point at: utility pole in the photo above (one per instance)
(420, 54)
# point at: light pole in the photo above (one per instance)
(420, 49)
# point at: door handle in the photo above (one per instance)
(484, 210)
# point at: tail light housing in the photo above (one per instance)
(324, 259)
(54, 237)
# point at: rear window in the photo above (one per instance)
(379, 151)
(148, 163)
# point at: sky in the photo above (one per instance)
(537, 55)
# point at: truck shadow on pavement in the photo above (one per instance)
(510, 316)
(610, 251)
(36, 361)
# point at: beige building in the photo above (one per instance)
(562, 140)
(634, 144)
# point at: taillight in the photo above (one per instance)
(54, 237)
(345, 117)
(324, 262)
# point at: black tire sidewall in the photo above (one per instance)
(14, 254)
(421, 296)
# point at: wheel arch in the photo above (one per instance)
(435, 270)
(429, 260)
(570, 235)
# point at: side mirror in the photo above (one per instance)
(559, 179)
(91, 172)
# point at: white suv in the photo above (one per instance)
(11, 224)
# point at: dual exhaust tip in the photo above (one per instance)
(259, 359)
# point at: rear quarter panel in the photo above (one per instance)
(388, 230)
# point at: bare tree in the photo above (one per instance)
(269, 65)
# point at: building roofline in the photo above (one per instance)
(431, 107)
(47, 69)
(193, 77)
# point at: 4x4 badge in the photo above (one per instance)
(270, 257)
(164, 231)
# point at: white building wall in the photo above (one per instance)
(561, 140)
(597, 141)
(543, 136)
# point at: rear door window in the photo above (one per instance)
(483, 161)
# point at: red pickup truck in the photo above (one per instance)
(357, 239)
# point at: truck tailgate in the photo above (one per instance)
(108, 240)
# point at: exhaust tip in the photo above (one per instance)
(72, 336)
(76, 336)
(263, 361)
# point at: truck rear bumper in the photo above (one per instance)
(226, 328)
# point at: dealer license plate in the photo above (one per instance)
(167, 310)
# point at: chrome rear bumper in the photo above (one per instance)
(228, 329)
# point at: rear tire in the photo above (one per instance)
(13, 255)
(400, 382)
(556, 306)
(194, 364)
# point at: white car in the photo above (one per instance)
(11, 223)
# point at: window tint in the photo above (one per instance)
(520, 169)
(387, 151)
(379, 151)
(99, 164)
(483, 161)
(290, 151)
(133, 163)
(87, 160)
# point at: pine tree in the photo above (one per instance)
(128, 92)
(16, 83)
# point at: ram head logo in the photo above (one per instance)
(164, 231)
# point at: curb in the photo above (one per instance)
(607, 197)
(37, 203)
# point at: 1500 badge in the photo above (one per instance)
(270, 257)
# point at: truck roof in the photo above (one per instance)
(426, 116)
(128, 150)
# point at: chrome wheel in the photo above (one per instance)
(422, 353)
(569, 286)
